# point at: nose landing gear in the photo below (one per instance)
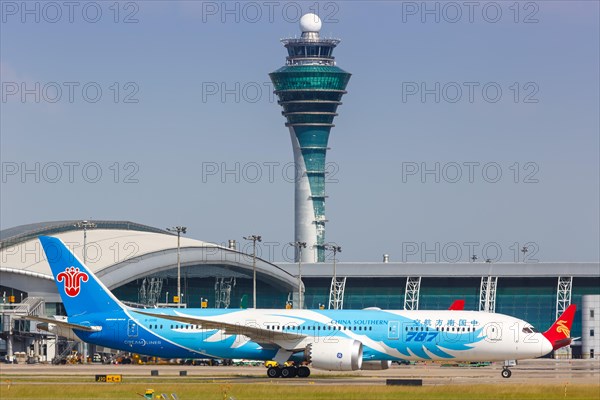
(506, 373)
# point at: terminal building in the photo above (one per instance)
(139, 264)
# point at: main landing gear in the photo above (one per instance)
(288, 372)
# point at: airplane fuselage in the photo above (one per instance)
(385, 335)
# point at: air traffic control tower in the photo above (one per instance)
(310, 87)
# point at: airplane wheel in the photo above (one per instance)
(506, 373)
(274, 372)
(303, 372)
(288, 372)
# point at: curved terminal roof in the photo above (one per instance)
(23, 233)
(119, 252)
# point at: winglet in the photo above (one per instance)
(559, 333)
(458, 305)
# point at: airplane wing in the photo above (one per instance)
(289, 341)
(63, 324)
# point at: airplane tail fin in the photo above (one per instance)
(559, 333)
(458, 305)
(79, 289)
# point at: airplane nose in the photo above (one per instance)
(546, 346)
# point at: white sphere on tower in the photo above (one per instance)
(310, 23)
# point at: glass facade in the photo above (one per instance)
(321, 77)
(196, 289)
(531, 299)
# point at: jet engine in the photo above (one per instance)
(345, 355)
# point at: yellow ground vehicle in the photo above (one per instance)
(272, 364)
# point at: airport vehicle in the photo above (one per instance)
(340, 340)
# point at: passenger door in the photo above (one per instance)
(132, 328)
(393, 330)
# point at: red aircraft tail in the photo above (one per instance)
(559, 333)
(458, 305)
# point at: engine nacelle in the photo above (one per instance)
(345, 355)
(376, 365)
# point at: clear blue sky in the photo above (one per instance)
(543, 56)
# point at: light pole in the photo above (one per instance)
(336, 249)
(334, 283)
(179, 230)
(254, 239)
(85, 225)
(300, 246)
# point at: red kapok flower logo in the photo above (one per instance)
(72, 277)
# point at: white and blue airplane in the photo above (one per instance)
(339, 340)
